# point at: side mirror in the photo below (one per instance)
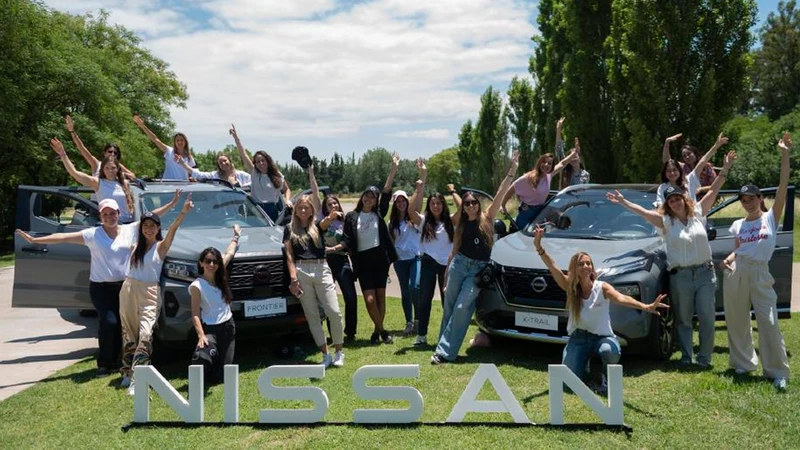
(500, 228)
(711, 232)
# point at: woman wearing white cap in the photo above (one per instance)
(748, 282)
(404, 218)
(692, 280)
(110, 247)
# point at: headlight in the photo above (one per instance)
(642, 264)
(631, 290)
(180, 270)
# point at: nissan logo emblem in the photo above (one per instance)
(539, 284)
(261, 274)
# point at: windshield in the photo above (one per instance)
(212, 209)
(587, 214)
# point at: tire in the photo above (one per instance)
(663, 335)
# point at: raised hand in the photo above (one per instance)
(721, 140)
(237, 230)
(656, 305)
(68, 121)
(615, 197)
(187, 205)
(514, 161)
(395, 160)
(232, 132)
(538, 232)
(560, 123)
(311, 169)
(673, 138)
(785, 144)
(729, 159)
(577, 145)
(58, 147)
(421, 165)
(451, 187)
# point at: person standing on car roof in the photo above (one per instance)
(180, 147)
(367, 239)
(472, 247)
(94, 163)
(268, 186)
(110, 248)
(588, 301)
(574, 172)
(140, 301)
(225, 171)
(673, 173)
(211, 310)
(110, 183)
(748, 282)
(692, 280)
(533, 187)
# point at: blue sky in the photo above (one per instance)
(333, 75)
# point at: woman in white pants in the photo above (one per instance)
(312, 279)
(748, 281)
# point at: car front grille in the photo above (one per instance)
(258, 279)
(518, 286)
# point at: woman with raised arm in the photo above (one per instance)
(211, 310)
(226, 171)
(311, 278)
(268, 186)
(140, 300)
(404, 218)
(748, 281)
(574, 172)
(367, 239)
(180, 147)
(94, 163)
(673, 173)
(436, 244)
(533, 187)
(472, 247)
(588, 300)
(692, 280)
(110, 183)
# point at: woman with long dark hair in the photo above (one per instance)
(94, 163)
(367, 239)
(140, 300)
(268, 185)
(225, 171)
(748, 281)
(673, 173)
(211, 310)
(180, 147)
(472, 246)
(692, 280)
(110, 183)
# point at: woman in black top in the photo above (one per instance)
(367, 239)
(472, 246)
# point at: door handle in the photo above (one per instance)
(34, 249)
(782, 248)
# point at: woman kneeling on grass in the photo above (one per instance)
(311, 278)
(211, 310)
(588, 300)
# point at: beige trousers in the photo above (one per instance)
(139, 304)
(316, 281)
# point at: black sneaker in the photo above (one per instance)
(350, 338)
(386, 337)
(375, 338)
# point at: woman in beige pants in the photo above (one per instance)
(748, 281)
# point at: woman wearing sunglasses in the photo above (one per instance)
(94, 163)
(472, 246)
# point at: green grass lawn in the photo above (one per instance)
(6, 259)
(665, 406)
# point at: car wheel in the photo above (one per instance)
(663, 334)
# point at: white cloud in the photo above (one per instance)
(433, 133)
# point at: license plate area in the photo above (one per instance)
(267, 307)
(536, 320)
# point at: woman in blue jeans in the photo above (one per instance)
(692, 281)
(588, 300)
(472, 246)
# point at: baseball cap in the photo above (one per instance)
(399, 193)
(152, 216)
(672, 190)
(749, 189)
(372, 190)
(108, 203)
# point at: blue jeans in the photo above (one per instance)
(408, 277)
(693, 289)
(458, 305)
(430, 272)
(525, 217)
(582, 345)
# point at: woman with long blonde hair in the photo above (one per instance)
(312, 279)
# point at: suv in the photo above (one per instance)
(58, 275)
(524, 301)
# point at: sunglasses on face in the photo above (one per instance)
(211, 261)
(470, 203)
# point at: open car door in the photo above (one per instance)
(52, 276)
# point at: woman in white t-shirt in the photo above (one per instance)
(748, 281)
(588, 300)
(692, 280)
(225, 171)
(268, 185)
(211, 310)
(140, 301)
(109, 183)
(672, 172)
(180, 147)
(94, 163)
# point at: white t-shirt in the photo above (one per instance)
(173, 170)
(407, 241)
(692, 184)
(149, 270)
(367, 229)
(112, 189)
(262, 189)
(213, 309)
(757, 237)
(439, 247)
(243, 178)
(595, 317)
(109, 256)
(687, 245)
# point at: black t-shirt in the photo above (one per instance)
(312, 251)
(472, 243)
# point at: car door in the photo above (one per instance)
(52, 276)
(720, 219)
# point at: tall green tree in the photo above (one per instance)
(490, 140)
(444, 169)
(546, 67)
(520, 112)
(776, 72)
(468, 154)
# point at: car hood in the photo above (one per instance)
(517, 250)
(254, 242)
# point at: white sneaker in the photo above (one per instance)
(326, 360)
(421, 340)
(338, 359)
(126, 382)
(408, 329)
(780, 384)
(131, 388)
